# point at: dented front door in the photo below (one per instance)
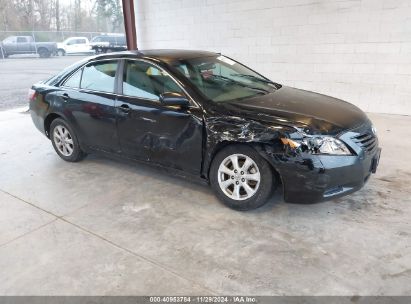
(151, 131)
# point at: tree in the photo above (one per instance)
(109, 15)
(57, 15)
(68, 15)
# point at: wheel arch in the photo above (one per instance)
(61, 50)
(48, 120)
(43, 51)
(223, 144)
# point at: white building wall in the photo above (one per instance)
(357, 50)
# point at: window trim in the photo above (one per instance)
(115, 89)
(193, 103)
(70, 76)
(118, 82)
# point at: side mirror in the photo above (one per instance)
(174, 99)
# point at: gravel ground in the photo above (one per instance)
(18, 74)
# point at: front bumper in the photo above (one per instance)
(309, 178)
(335, 177)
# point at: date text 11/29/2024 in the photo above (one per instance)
(203, 299)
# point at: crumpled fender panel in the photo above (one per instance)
(297, 170)
(223, 130)
(300, 173)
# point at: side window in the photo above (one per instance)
(10, 40)
(74, 80)
(99, 76)
(21, 40)
(143, 80)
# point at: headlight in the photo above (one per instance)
(318, 145)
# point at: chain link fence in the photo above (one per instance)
(30, 43)
(51, 36)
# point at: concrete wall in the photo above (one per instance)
(357, 50)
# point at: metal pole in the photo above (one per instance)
(130, 24)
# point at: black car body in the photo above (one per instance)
(280, 125)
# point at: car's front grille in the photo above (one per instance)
(368, 141)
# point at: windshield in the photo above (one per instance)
(221, 79)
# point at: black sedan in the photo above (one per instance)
(206, 115)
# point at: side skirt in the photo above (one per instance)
(168, 170)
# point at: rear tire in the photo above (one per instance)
(44, 53)
(241, 178)
(65, 141)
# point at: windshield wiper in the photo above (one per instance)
(277, 86)
(239, 83)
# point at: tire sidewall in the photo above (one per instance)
(43, 53)
(267, 182)
(77, 152)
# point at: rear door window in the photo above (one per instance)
(99, 76)
(74, 80)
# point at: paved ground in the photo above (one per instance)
(108, 228)
(18, 74)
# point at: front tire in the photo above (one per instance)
(241, 178)
(65, 141)
(61, 52)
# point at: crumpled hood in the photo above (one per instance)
(288, 106)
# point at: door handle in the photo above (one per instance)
(65, 96)
(124, 108)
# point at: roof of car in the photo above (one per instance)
(163, 55)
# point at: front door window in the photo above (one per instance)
(146, 81)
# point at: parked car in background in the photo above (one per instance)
(14, 45)
(109, 43)
(205, 115)
(74, 45)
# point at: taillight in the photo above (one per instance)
(32, 95)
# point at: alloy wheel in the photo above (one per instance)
(63, 140)
(239, 177)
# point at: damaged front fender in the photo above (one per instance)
(224, 130)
